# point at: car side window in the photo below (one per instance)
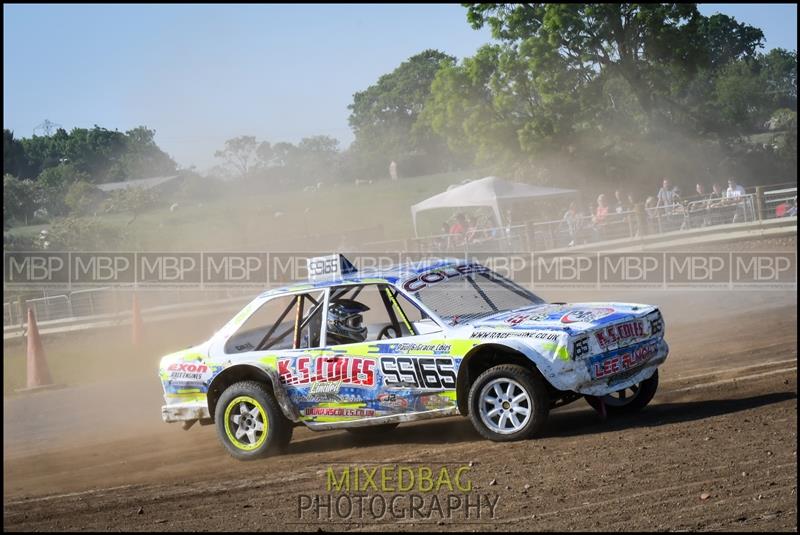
(420, 321)
(273, 326)
(389, 315)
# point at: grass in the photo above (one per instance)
(264, 221)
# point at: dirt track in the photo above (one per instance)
(709, 453)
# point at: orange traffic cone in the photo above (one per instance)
(136, 323)
(38, 373)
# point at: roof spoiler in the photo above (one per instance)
(331, 267)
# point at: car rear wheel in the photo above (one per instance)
(631, 399)
(250, 424)
(508, 402)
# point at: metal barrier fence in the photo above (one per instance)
(780, 203)
(691, 213)
(109, 301)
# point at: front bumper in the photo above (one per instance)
(625, 378)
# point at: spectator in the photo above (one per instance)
(471, 228)
(483, 230)
(666, 196)
(601, 212)
(698, 210)
(734, 190)
(793, 210)
(782, 208)
(785, 209)
(619, 206)
(716, 192)
(459, 226)
(600, 216)
(700, 190)
(734, 194)
(572, 219)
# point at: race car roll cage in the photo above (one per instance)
(388, 295)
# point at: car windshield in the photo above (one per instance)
(469, 292)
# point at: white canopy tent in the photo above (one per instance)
(490, 192)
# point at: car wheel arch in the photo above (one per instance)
(494, 354)
(251, 372)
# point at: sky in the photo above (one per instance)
(201, 74)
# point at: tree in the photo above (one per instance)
(653, 47)
(240, 154)
(384, 116)
(82, 198)
(103, 155)
(142, 157)
(317, 158)
(14, 162)
(506, 102)
(62, 175)
(19, 200)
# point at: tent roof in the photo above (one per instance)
(488, 191)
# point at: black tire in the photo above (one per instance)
(372, 430)
(263, 409)
(643, 393)
(532, 384)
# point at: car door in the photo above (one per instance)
(404, 371)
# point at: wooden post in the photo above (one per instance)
(759, 202)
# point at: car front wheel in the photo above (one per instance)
(508, 402)
(631, 399)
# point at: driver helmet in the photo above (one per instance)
(345, 322)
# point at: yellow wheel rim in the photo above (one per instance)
(246, 423)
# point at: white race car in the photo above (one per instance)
(365, 351)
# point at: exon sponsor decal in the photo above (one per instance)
(550, 336)
(418, 372)
(393, 401)
(186, 371)
(354, 371)
(621, 332)
(586, 315)
(623, 361)
(438, 275)
(337, 411)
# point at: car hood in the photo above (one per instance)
(574, 317)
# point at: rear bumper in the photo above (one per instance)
(184, 412)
